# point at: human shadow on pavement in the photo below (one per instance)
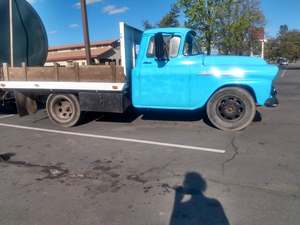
(198, 209)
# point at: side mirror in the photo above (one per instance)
(160, 50)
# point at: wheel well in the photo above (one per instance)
(245, 87)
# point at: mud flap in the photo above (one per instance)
(26, 104)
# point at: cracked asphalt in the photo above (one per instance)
(61, 179)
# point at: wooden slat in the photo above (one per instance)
(66, 74)
(76, 71)
(113, 72)
(56, 72)
(24, 70)
(41, 74)
(1, 73)
(16, 74)
(5, 72)
(120, 74)
(92, 74)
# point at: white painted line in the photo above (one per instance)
(7, 116)
(115, 138)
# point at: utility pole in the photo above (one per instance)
(86, 32)
(262, 49)
(263, 42)
(11, 33)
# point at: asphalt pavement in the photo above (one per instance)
(153, 168)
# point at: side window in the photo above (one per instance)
(172, 44)
(137, 49)
(191, 46)
(151, 48)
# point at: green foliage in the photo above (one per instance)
(287, 45)
(203, 17)
(224, 24)
(147, 25)
(290, 45)
(171, 18)
(238, 22)
(283, 29)
(272, 49)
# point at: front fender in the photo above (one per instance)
(260, 90)
(256, 79)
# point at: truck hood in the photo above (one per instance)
(233, 60)
(239, 67)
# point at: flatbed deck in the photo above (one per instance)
(95, 73)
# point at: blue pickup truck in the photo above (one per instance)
(164, 69)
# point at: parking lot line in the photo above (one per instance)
(6, 116)
(188, 147)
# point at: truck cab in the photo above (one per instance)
(164, 81)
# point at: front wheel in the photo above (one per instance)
(231, 109)
(63, 109)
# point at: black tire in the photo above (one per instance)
(231, 109)
(63, 109)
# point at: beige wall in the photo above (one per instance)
(66, 63)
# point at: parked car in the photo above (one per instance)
(282, 62)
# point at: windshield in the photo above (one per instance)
(191, 45)
(172, 44)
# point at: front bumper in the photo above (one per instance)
(273, 100)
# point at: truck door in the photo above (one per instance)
(163, 84)
(200, 83)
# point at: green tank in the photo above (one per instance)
(30, 37)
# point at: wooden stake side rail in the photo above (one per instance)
(1, 74)
(96, 73)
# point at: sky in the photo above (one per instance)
(62, 18)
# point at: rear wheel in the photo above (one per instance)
(63, 109)
(231, 109)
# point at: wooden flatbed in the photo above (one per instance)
(96, 73)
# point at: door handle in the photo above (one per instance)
(147, 63)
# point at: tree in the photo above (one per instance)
(286, 45)
(202, 16)
(289, 45)
(272, 49)
(147, 25)
(283, 29)
(168, 20)
(171, 18)
(240, 22)
(224, 24)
